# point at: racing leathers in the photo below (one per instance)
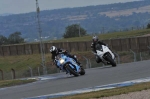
(93, 47)
(55, 53)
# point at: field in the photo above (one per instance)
(126, 12)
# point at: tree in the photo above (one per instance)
(148, 26)
(3, 40)
(15, 38)
(74, 30)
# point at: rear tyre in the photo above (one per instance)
(71, 70)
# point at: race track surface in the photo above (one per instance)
(61, 82)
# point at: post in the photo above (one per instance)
(103, 30)
(13, 74)
(87, 63)
(134, 55)
(90, 63)
(141, 56)
(2, 74)
(40, 37)
(39, 70)
(118, 57)
(79, 31)
(149, 49)
(30, 71)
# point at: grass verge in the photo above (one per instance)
(110, 92)
(8, 83)
(114, 35)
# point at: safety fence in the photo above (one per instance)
(87, 62)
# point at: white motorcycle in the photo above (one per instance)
(105, 55)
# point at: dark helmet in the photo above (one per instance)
(95, 39)
(53, 49)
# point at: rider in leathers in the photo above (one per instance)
(93, 47)
(55, 51)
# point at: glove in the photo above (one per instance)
(64, 51)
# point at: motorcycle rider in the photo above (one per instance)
(55, 51)
(95, 41)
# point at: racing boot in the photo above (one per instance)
(108, 63)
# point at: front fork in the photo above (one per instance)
(75, 68)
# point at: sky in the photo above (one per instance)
(26, 6)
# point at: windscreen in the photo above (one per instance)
(98, 47)
(58, 56)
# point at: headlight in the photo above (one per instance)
(61, 61)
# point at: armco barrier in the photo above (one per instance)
(137, 44)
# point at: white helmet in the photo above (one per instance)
(95, 39)
(53, 48)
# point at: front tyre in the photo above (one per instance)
(82, 71)
(112, 62)
(98, 60)
(71, 70)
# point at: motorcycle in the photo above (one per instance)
(105, 55)
(69, 65)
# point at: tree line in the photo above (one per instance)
(14, 38)
(74, 30)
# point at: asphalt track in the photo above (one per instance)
(94, 77)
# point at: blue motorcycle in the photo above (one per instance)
(69, 65)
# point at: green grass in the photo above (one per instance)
(21, 61)
(109, 92)
(105, 36)
(18, 62)
(21, 64)
(8, 83)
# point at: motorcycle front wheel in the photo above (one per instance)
(71, 70)
(82, 71)
(112, 62)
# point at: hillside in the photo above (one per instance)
(94, 19)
